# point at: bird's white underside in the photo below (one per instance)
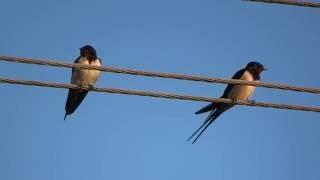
(242, 92)
(85, 76)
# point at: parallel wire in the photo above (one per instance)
(161, 75)
(160, 95)
(289, 2)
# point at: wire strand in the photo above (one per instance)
(161, 75)
(160, 95)
(289, 2)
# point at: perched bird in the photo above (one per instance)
(235, 92)
(82, 77)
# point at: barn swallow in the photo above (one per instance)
(235, 92)
(82, 77)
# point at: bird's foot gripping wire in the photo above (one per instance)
(84, 87)
(81, 87)
(234, 100)
(91, 87)
(252, 101)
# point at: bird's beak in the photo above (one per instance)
(264, 69)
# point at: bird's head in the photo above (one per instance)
(89, 52)
(255, 67)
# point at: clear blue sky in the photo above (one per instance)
(140, 138)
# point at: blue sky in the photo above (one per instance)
(127, 137)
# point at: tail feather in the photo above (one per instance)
(207, 108)
(203, 124)
(212, 116)
(208, 124)
(75, 97)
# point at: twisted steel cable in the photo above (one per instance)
(161, 75)
(160, 95)
(289, 2)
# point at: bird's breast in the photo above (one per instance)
(93, 75)
(242, 92)
(85, 76)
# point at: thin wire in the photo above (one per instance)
(160, 95)
(289, 2)
(161, 75)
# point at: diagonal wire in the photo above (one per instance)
(160, 95)
(289, 2)
(161, 75)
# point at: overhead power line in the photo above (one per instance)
(161, 75)
(289, 2)
(160, 95)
